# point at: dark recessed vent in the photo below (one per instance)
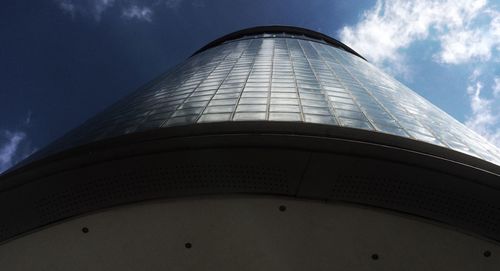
(3, 232)
(190, 179)
(418, 198)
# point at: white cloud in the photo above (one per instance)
(471, 43)
(9, 150)
(485, 117)
(465, 30)
(139, 13)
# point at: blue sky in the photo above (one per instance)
(62, 61)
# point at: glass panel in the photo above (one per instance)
(277, 78)
(284, 116)
(214, 117)
(249, 116)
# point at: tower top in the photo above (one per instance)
(293, 31)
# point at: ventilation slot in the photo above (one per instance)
(417, 198)
(171, 181)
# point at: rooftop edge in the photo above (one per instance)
(278, 29)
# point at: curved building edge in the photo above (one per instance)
(305, 161)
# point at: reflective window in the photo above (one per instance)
(282, 78)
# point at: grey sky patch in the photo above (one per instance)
(198, 3)
(173, 4)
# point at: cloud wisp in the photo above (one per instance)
(485, 112)
(496, 87)
(130, 9)
(93, 8)
(9, 150)
(138, 13)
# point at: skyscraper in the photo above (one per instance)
(269, 148)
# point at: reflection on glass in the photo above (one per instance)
(281, 78)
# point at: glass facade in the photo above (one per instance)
(281, 77)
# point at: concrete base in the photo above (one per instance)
(247, 233)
